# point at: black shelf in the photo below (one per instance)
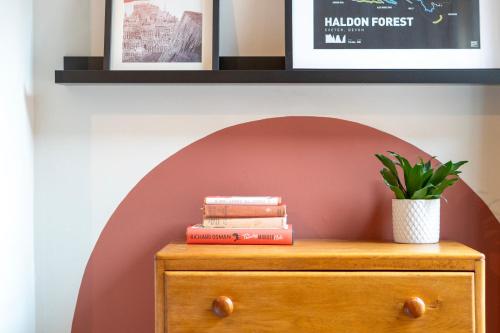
(88, 70)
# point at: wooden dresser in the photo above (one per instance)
(320, 286)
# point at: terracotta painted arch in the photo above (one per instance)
(325, 170)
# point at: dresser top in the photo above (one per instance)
(321, 255)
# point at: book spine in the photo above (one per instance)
(271, 201)
(196, 235)
(244, 211)
(262, 223)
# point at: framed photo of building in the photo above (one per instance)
(161, 35)
(392, 34)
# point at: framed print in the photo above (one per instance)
(161, 35)
(392, 34)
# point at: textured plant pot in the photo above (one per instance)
(416, 221)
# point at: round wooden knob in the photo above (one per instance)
(222, 306)
(414, 307)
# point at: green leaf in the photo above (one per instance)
(403, 163)
(441, 173)
(439, 189)
(422, 193)
(427, 176)
(389, 177)
(457, 166)
(398, 192)
(428, 166)
(414, 180)
(387, 163)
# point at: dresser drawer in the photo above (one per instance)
(303, 302)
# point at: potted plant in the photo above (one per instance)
(416, 208)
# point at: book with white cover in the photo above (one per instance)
(242, 223)
(243, 201)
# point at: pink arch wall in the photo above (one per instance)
(325, 170)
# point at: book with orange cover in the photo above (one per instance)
(199, 235)
(244, 211)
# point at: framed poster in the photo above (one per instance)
(161, 35)
(392, 34)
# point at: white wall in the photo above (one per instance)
(95, 142)
(17, 278)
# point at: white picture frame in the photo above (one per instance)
(139, 39)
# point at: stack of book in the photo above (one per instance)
(242, 220)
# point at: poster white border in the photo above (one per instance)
(306, 57)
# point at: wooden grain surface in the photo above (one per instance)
(321, 255)
(303, 302)
(160, 297)
(480, 296)
(449, 277)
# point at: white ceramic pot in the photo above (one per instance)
(416, 221)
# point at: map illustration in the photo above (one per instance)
(427, 6)
(397, 24)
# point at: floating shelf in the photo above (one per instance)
(88, 70)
